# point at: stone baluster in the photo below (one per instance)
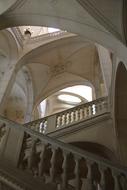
(65, 118)
(44, 126)
(59, 121)
(69, 117)
(52, 169)
(102, 181)
(41, 164)
(82, 112)
(90, 110)
(74, 115)
(89, 185)
(85, 112)
(96, 108)
(116, 182)
(78, 114)
(32, 153)
(64, 174)
(77, 177)
(100, 106)
(105, 105)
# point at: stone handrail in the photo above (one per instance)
(62, 164)
(49, 36)
(71, 116)
(42, 37)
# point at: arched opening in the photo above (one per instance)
(97, 149)
(121, 110)
(66, 98)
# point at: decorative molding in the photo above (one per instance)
(58, 69)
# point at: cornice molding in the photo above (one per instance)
(98, 15)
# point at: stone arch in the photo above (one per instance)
(72, 23)
(121, 110)
(76, 81)
(95, 148)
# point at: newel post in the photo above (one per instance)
(51, 123)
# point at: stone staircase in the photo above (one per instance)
(54, 165)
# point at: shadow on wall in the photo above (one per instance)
(121, 111)
(96, 149)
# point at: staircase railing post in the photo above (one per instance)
(51, 123)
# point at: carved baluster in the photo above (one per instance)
(64, 175)
(65, 118)
(100, 106)
(69, 117)
(57, 121)
(78, 114)
(41, 164)
(123, 181)
(44, 126)
(90, 110)
(74, 115)
(41, 127)
(116, 182)
(85, 112)
(96, 109)
(102, 181)
(89, 176)
(82, 113)
(52, 169)
(60, 121)
(32, 154)
(105, 105)
(93, 109)
(77, 177)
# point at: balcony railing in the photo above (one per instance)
(71, 116)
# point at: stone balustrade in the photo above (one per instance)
(50, 35)
(71, 116)
(68, 167)
(43, 37)
(64, 166)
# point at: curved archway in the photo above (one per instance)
(121, 110)
(95, 148)
(70, 22)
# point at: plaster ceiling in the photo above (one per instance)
(59, 66)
